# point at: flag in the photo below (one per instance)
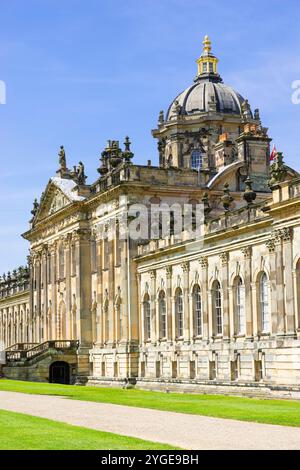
(273, 154)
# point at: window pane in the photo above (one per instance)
(162, 315)
(198, 312)
(264, 304)
(147, 318)
(196, 159)
(179, 313)
(218, 308)
(240, 308)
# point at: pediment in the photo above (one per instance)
(58, 195)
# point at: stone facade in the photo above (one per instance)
(15, 324)
(174, 311)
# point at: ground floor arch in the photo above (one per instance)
(59, 373)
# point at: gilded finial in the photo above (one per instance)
(206, 45)
(207, 62)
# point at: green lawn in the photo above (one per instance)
(282, 412)
(23, 432)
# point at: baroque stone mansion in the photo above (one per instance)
(95, 306)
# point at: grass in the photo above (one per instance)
(24, 432)
(282, 412)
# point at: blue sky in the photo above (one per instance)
(80, 72)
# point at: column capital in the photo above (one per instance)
(203, 261)
(53, 247)
(270, 244)
(284, 234)
(81, 234)
(169, 271)
(67, 239)
(224, 257)
(185, 266)
(247, 252)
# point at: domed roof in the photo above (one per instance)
(208, 93)
(197, 98)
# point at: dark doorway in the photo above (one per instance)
(59, 373)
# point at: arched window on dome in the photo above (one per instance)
(196, 159)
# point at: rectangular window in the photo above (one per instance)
(218, 307)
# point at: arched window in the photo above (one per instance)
(240, 317)
(162, 315)
(147, 317)
(197, 307)
(217, 308)
(179, 312)
(196, 159)
(264, 303)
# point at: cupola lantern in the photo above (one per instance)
(207, 62)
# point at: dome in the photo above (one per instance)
(197, 98)
(208, 93)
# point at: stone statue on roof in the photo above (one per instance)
(62, 159)
(81, 177)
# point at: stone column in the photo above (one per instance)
(44, 292)
(38, 298)
(279, 284)
(186, 313)
(53, 251)
(169, 302)
(296, 284)
(31, 295)
(290, 320)
(68, 298)
(83, 287)
(225, 300)
(204, 294)
(111, 290)
(124, 254)
(140, 306)
(154, 313)
(99, 320)
(247, 252)
(272, 261)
